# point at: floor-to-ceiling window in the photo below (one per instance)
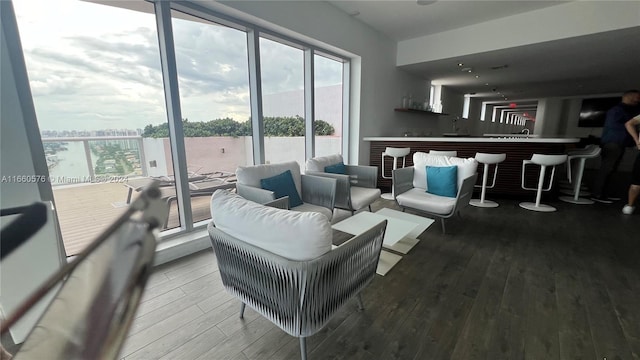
(97, 83)
(282, 71)
(213, 77)
(328, 94)
(94, 72)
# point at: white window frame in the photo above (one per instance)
(188, 232)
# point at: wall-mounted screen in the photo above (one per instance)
(594, 111)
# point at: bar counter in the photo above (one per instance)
(508, 181)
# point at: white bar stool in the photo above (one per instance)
(543, 161)
(396, 154)
(565, 185)
(487, 159)
(582, 156)
(444, 152)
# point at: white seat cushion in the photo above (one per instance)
(251, 175)
(306, 207)
(291, 234)
(319, 163)
(466, 167)
(362, 197)
(417, 198)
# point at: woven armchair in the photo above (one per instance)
(409, 186)
(355, 189)
(300, 297)
(317, 193)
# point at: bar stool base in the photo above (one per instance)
(579, 201)
(485, 204)
(570, 192)
(532, 206)
(570, 187)
(387, 196)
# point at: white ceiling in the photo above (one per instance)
(405, 19)
(601, 63)
(594, 64)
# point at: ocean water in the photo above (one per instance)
(72, 163)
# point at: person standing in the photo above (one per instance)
(633, 128)
(615, 139)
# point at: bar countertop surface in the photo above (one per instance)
(506, 139)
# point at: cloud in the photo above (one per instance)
(210, 58)
(282, 67)
(327, 72)
(106, 73)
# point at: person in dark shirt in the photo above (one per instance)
(615, 139)
(633, 128)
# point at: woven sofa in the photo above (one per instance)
(281, 263)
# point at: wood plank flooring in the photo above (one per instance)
(504, 283)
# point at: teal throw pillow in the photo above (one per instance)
(283, 185)
(442, 180)
(338, 168)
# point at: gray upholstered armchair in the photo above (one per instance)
(355, 189)
(317, 193)
(410, 186)
(297, 282)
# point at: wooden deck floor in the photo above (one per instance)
(85, 211)
(504, 283)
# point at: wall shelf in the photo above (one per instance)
(418, 111)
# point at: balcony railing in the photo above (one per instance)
(92, 159)
(99, 172)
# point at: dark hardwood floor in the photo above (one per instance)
(504, 283)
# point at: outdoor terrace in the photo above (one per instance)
(84, 211)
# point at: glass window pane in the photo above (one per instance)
(328, 106)
(95, 75)
(282, 102)
(213, 76)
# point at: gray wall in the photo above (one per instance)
(548, 118)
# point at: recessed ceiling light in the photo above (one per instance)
(486, 84)
(466, 69)
(460, 64)
(477, 76)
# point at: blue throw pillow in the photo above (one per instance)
(442, 180)
(338, 168)
(283, 185)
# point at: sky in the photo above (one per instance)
(94, 67)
